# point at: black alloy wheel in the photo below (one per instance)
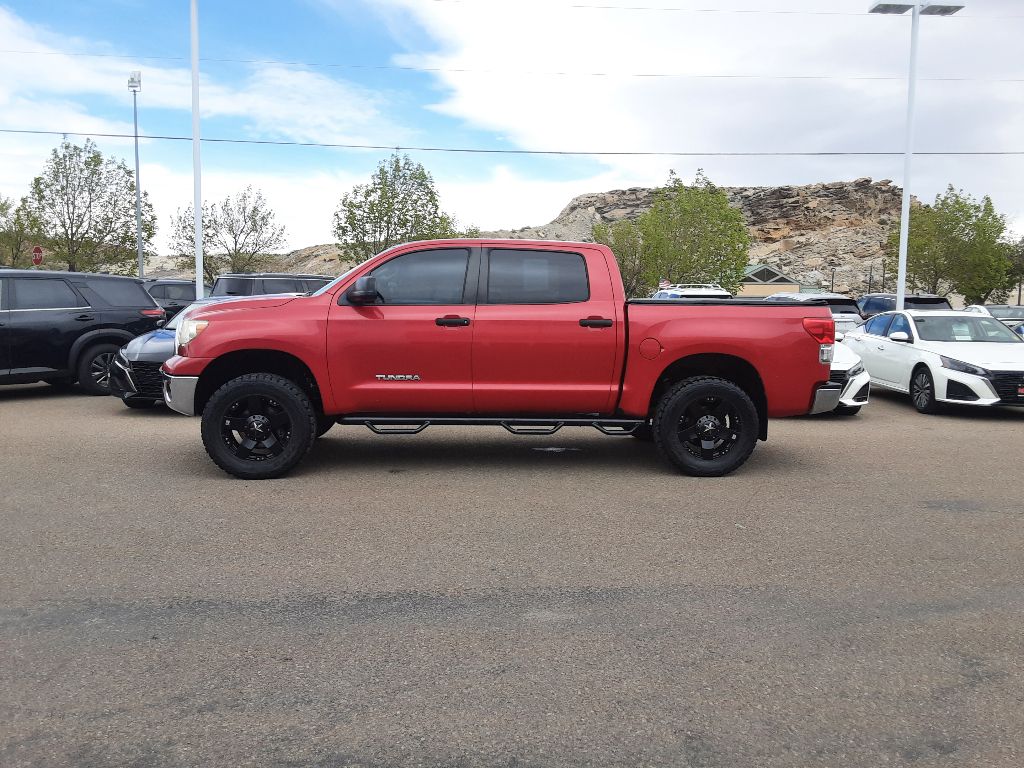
(922, 391)
(706, 426)
(94, 369)
(258, 426)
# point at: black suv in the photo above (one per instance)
(260, 283)
(871, 304)
(62, 327)
(173, 294)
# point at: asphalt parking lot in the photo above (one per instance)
(853, 596)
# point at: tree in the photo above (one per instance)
(240, 234)
(15, 233)
(623, 237)
(690, 234)
(1016, 276)
(399, 204)
(83, 206)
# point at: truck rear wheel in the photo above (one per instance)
(705, 426)
(258, 426)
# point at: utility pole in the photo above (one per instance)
(196, 164)
(135, 85)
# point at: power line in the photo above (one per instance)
(484, 151)
(517, 73)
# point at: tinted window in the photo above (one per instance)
(878, 324)
(180, 291)
(283, 285)
(1007, 312)
(900, 323)
(423, 277)
(115, 293)
(158, 291)
(232, 286)
(879, 304)
(536, 277)
(841, 307)
(313, 285)
(50, 293)
(911, 303)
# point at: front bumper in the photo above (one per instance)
(856, 391)
(180, 393)
(121, 384)
(826, 398)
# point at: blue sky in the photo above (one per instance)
(478, 73)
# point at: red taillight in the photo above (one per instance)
(155, 312)
(821, 329)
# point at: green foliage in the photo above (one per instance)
(240, 234)
(399, 204)
(16, 228)
(83, 207)
(690, 235)
(956, 245)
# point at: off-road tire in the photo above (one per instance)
(90, 358)
(289, 399)
(690, 396)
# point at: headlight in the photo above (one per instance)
(957, 365)
(188, 330)
(857, 370)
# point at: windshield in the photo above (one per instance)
(1007, 312)
(335, 281)
(965, 328)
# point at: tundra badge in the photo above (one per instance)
(398, 377)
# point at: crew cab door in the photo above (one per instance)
(410, 352)
(546, 332)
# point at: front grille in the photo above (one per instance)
(839, 377)
(146, 376)
(1007, 383)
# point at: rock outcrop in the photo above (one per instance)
(803, 231)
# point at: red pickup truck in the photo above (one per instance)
(527, 335)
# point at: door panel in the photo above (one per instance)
(537, 358)
(5, 351)
(411, 352)
(40, 331)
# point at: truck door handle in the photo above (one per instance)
(452, 320)
(596, 322)
(85, 317)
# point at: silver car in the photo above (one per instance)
(844, 309)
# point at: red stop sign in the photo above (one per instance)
(37, 255)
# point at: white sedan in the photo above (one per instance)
(942, 357)
(848, 370)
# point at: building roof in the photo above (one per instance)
(762, 273)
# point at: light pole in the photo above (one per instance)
(197, 167)
(135, 85)
(917, 10)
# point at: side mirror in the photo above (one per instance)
(364, 291)
(899, 336)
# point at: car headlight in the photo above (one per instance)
(957, 365)
(188, 330)
(857, 370)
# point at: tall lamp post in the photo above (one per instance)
(135, 85)
(917, 10)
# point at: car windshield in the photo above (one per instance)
(964, 328)
(1007, 312)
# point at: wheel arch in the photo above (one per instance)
(234, 364)
(99, 336)
(729, 367)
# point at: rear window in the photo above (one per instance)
(536, 277)
(232, 286)
(49, 293)
(283, 285)
(315, 284)
(115, 293)
(841, 307)
(1006, 313)
(911, 302)
(879, 304)
(180, 292)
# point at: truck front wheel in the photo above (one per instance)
(258, 426)
(705, 426)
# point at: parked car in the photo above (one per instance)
(844, 310)
(135, 371)
(263, 283)
(942, 357)
(172, 294)
(1008, 314)
(527, 335)
(849, 371)
(692, 291)
(62, 327)
(872, 304)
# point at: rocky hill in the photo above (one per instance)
(803, 231)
